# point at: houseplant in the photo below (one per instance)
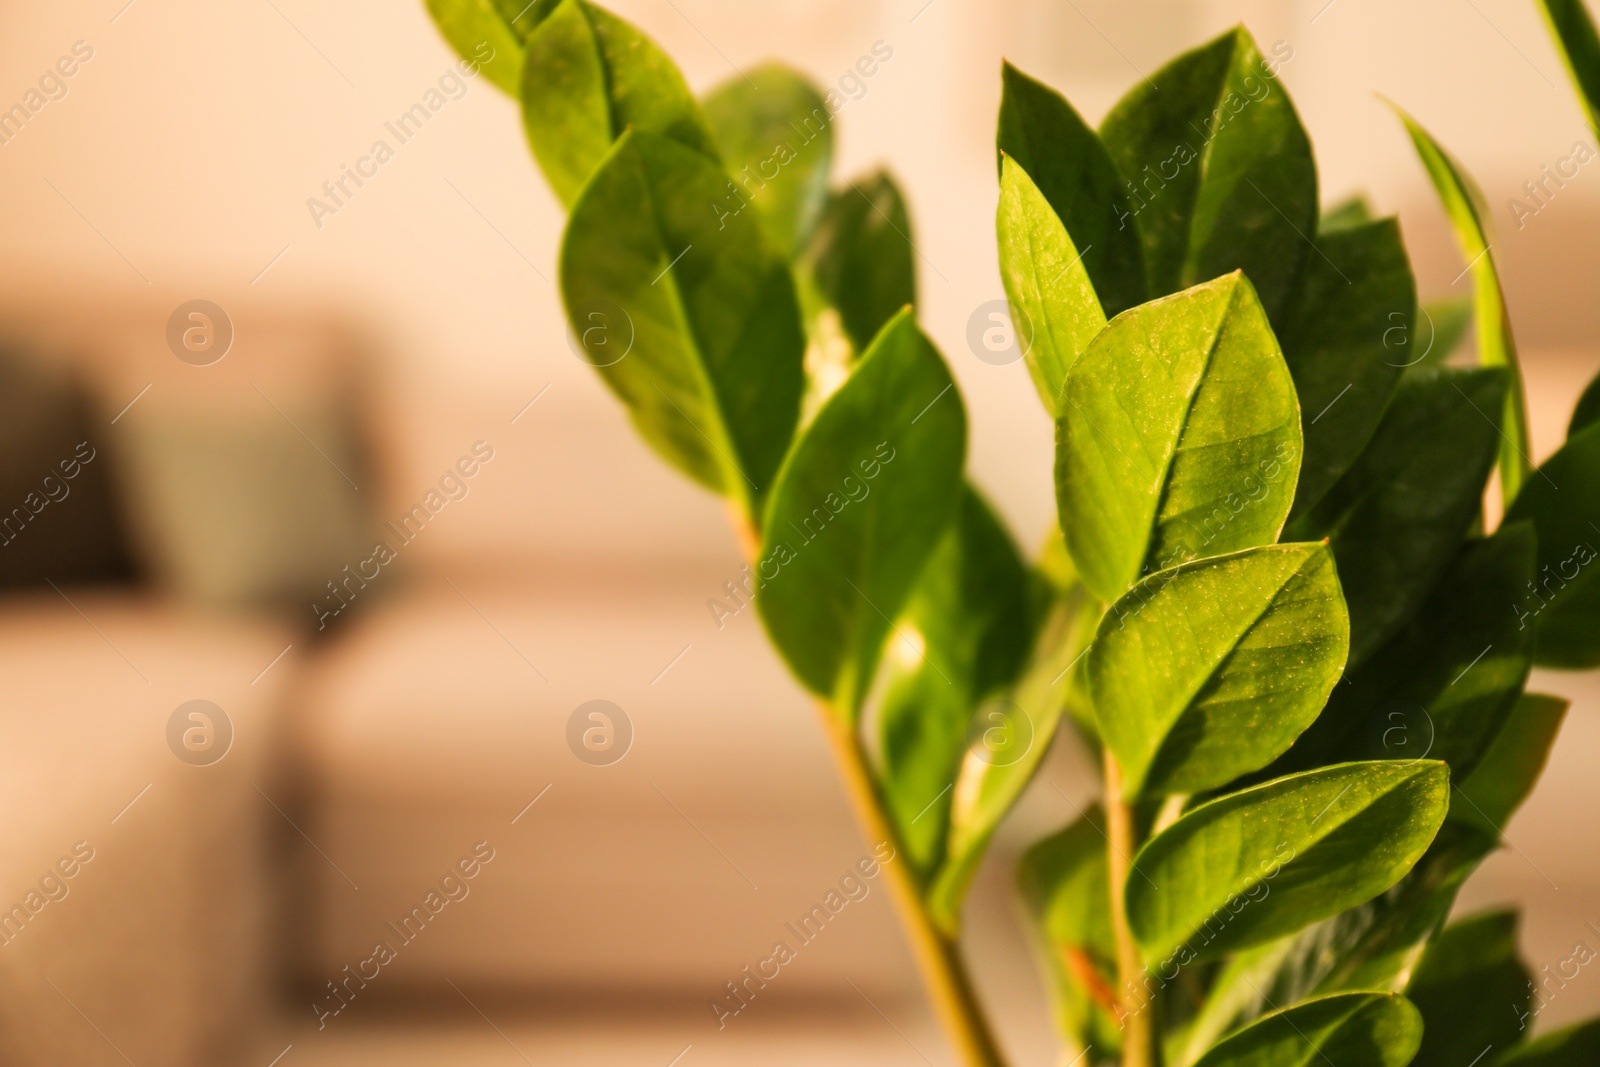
(1277, 608)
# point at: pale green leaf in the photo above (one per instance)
(1259, 864)
(481, 36)
(1178, 438)
(1210, 670)
(1348, 1030)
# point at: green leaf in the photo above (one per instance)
(1445, 683)
(1075, 176)
(861, 258)
(524, 17)
(1575, 1046)
(1506, 774)
(1009, 738)
(1400, 513)
(775, 133)
(589, 76)
(964, 634)
(1179, 437)
(861, 502)
(1220, 170)
(1562, 500)
(479, 35)
(1344, 337)
(1256, 865)
(1354, 210)
(1496, 348)
(1472, 991)
(1349, 1030)
(1579, 46)
(1448, 322)
(1065, 884)
(1052, 299)
(1373, 946)
(1587, 411)
(704, 317)
(1212, 669)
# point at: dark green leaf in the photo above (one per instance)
(1065, 883)
(1344, 337)
(1352, 211)
(479, 35)
(1587, 411)
(1220, 170)
(1052, 300)
(1212, 669)
(1256, 865)
(1579, 46)
(1576, 1046)
(1512, 764)
(1562, 499)
(1472, 991)
(775, 134)
(1445, 683)
(859, 505)
(862, 260)
(704, 336)
(1447, 322)
(1399, 515)
(1496, 348)
(1374, 946)
(1179, 437)
(1349, 1030)
(963, 635)
(588, 76)
(1074, 174)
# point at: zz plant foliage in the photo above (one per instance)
(1277, 607)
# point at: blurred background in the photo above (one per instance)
(374, 726)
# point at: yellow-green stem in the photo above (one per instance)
(1138, 1027)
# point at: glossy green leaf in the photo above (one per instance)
(1256, 865)
(1441, 331)
(693, 325)
(588, 76)
(1575, 1046)
(1400, 513)
(861, 502)
(861, 259)
(1579, 45)
(1472, 991)
(1065, 883)
(1349, 1030)
(1053, 302)
(1344, 336)
(1442, 687)
(1009, 737)
(479, 35)
(1220, 170)
(1496, 348)
(1179, 437)
(1562, 500)
(1587, 411)
(1073, 173)
(963, 635)
(775, 134)
(1373, 946)
(1515, 758)
(1212, 669)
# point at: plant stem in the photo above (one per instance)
(938, 959)
(1138, 1033)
